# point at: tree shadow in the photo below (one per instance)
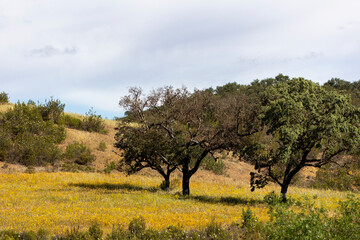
(225, 200)
(112, 186)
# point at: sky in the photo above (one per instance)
(88, 53)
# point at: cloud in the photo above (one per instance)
(50, 51)
(88, 52)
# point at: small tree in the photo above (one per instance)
(146, 148)
(306, 125)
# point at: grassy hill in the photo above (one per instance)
(65, 202)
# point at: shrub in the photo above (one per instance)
(95, 231)
(27, 139)
(218, 167)
(73, 122)
(338, 178)
(102, 146)
(52, 110)
(93, 122)
(4, 98)
(110, 166)
(79, 153)
(137, 226)
(272, 199)
(215, 231)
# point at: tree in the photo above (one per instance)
(144, 147)
(4, 98)
(180, 128)
(306, 125)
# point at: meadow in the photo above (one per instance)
(57, 202)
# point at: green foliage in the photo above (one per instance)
(73, 122)
(218, 167)
(79, 153)
(93, 122)
(307, 125)
(52, 110)
(27, 139)
(272, 198)
(345, 178)
(137, 226)
(308, 222)
(109, 166)
(4, 98)
(102, 146)
(95, 231)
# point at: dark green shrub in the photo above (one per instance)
(79, 153)
(27, 139)
(272, 198)
(52, 110)
(73, 122)
(218, 167)
(4, 98)
(93, 122)
(5, 143)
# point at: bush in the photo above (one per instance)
(27, 139)
(338, 178)
(137, 226)
(102, 146)
(93, 122)
(4, 98)
(52, 110)
(79, 153)
(73, 122)
(218, 167)
(95, 231)
(110, 166)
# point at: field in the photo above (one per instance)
(59, 201)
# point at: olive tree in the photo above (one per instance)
(306, 125)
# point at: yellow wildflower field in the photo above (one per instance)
(59, 201)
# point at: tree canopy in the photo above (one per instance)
(306, 125)
(178, 129)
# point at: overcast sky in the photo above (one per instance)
(88, 53)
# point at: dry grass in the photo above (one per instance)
(5, 107)
(92, 140)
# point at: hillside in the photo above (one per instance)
(235, 171)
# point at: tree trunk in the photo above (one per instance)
(284, 188)
(186, 178)
(166, 183)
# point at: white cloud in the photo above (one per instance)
(90, 52)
